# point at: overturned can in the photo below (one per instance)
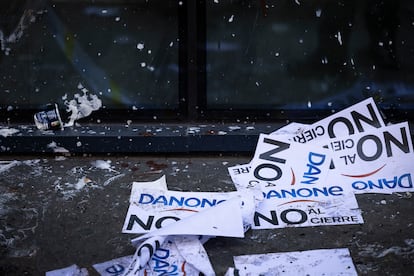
(48, 119)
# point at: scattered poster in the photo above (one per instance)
(377, 161)
(224, 219)
(292, 179)
(153, 209)
(178, 255)
(357, 118)
(300, 176)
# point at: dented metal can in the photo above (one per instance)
(49, 119)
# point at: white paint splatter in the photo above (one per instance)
(339, 37)
(82, 105)
(103, 165)
(8, 131)
(140, 46)
(318, 12)
(53, 145)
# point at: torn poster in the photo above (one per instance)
(313, 262)
(178, 255)
(377, 161)
(293, 180)
(280, 162)
(306, 207)
(188, 214)
(159, 184)
(357, 118)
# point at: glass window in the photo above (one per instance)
(123, 52)
(302, 56)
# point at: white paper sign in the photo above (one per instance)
(152, 209)
(319, 207)
(278, 161)
(377, 161)
(357, 118)
(180, 256)
(224, 219)
(312, 263)
(293, 180)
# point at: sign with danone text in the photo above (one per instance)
(376, 161)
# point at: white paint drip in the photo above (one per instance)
(8, 131)
(82, 105)
(103, 165)
(57, 148)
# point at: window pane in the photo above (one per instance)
(125, 52)
(309, 55)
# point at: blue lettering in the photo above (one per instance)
(403, 181)
(359, 185)
(313, 158)
(324, 191)
(335, 190)
(410, 183)
(311, 179)
(161, 199)
(371, 185)
(173, 200)
(205, 202)
(196, 202)
(292, 193)
(145, 198)
(305, 192)
(159, 264)
(115, 269)
(272, 193)
(390, 183)
(163, 272)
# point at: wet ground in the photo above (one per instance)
(56, 211)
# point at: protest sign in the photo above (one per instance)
(224, 219)
(179, 255)
(306, 207)
(357, 118)
(293, 180)
(313, 262)
(159, 184)
(154, 209)
(377, 161)
(278, 161)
